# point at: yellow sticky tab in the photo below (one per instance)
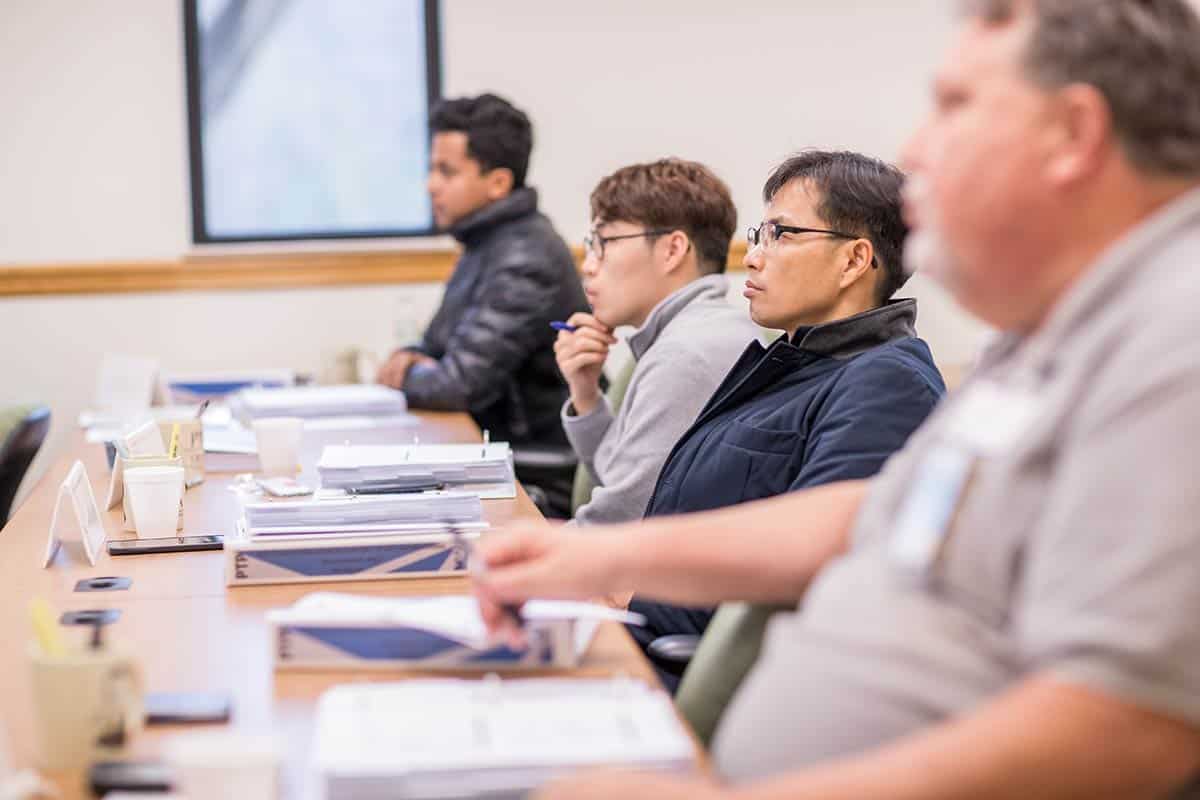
(45, 628)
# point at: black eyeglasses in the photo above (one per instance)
(594, 242)
(767, 233)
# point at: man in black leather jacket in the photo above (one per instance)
(489, 350)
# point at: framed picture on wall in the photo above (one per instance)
(309, 119)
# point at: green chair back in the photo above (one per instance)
(727, 651)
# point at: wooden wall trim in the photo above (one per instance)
(243, 272)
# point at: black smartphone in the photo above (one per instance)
(129, 776)
(412, 488)
(171, 544)
(171, 708)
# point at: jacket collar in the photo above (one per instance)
(844, 338)
(473, 227)
(710, 287)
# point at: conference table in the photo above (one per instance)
(192, 633)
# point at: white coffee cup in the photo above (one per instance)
(154, 497)
(279, 444)
(219, 764)
(82, 699)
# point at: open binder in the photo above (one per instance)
(434, 739)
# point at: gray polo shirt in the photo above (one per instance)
(1045, 520)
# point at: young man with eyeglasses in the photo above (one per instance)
(842, 388)
(655, 261)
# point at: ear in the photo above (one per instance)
(500, 183)
(1081, 135)
(674, 248)
(858, 262)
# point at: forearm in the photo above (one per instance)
(586, 432)
(1042, 739)
(765, 551)
(429, 386)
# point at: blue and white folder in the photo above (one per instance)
(339, 631)
(416, 552)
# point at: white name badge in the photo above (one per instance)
(989, 418)
(928, 509)
(76, 492)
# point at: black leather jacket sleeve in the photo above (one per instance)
(493, 336)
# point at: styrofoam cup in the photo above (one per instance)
(154, 497)
(218, 764)
(279, 444)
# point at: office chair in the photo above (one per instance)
(22, 431)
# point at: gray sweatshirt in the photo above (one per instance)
(686, 346)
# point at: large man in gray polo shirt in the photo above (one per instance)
(1012, 608)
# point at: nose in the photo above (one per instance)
(591, 264)
(753, 260)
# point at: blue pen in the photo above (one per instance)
(563, 326)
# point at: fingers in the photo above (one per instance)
(515, 544)
(522, 564)
(394, 369)
(386, 375)
(500, 625)
(571, 345)
(566, 338)
(521, 582)
(584, 321)
(565, 350)
(552, 564)
(573, 365)
(584, 337)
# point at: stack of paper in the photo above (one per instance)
(362, 514)
(484, 469)
(349, 400)
(426, 739)
(108, 429)
(326, 629)
(229, 448)
(193, 387)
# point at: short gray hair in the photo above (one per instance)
(1142, 55)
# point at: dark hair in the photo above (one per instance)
(672, 194)
(859, 195)
(1144, 57)
(498, 134)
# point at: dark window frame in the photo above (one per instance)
(200, 232)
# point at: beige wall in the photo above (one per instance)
(95, 162)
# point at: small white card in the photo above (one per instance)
(145, 440)
(76, 492)
(125, 384)
(116, 483)
(926, 514)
